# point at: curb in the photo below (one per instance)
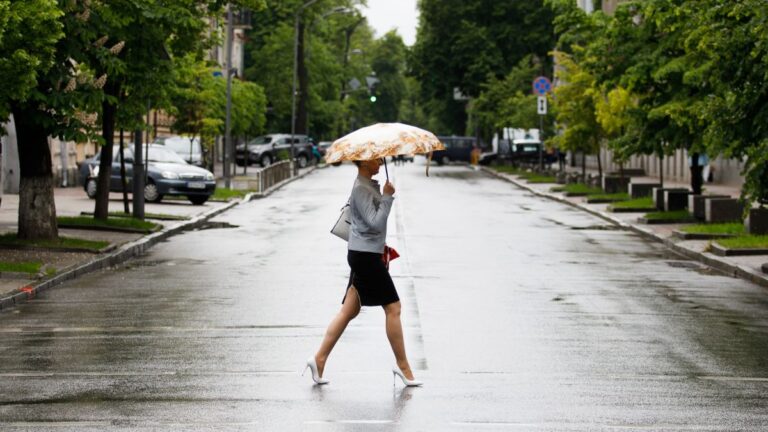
(132, 249)
(702, 257)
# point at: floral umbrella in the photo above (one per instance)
(381, 140)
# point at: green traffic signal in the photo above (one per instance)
(373, 99)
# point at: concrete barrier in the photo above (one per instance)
(658, 196)
(696, 204)
(719, 210)
(642, 190)
(615, 184)
(675, 200)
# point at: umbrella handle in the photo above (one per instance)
(386, 171)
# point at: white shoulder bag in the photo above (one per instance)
(341, 227)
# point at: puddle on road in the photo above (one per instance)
(162, 262)
(215, 225)
(596, 228)
(683, 264)
(461, 175)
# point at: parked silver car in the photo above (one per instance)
(167, 174)
(187, 147)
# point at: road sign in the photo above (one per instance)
(541, 105)
(542, 86)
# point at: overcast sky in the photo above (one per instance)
(384, 15)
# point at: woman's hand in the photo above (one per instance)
(388, 188)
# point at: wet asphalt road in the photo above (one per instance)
(519, 313)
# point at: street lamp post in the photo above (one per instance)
(297, 17)
(228, 148)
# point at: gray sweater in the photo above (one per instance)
(369, 210)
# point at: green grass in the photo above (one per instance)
(635, 203)
(616, 197)
(222, 194)
(540, 179)
(669, 215)
(119, 222)
(10, 239)
(579, 189)
(745, 242)
(21, 267)
(733, 228)
(160, 216)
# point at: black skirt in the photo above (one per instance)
(371, 279)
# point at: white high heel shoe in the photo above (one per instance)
(312, 365)
(408, 383)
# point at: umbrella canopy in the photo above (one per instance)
(381, 140)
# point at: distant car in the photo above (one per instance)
(459, 149)
(187, 147)
(267, 149)
(527, 152)
(323, 146)
(167, 174)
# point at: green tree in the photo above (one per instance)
(389, 65)
(269, 62)
(151, 35)
(509, 102)
(461, 43)
(727, 59)
(576, 97)
(50, 93)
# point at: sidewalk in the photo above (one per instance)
(59, 266)
(745, 267)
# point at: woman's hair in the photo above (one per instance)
(356, 163)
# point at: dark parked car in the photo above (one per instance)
(525, 152)
(267, 149)
(459, 149)
(167, 174)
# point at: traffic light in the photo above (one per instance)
(373, 98)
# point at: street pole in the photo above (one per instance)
(297, 16)
(541, 141)
(138, 176)
(228, 121)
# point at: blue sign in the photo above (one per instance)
(542, 86)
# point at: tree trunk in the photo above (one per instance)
(302, 90)
(101, 210)
(661, 170)
(108, 111)
(584, 166)
(599, 166)
(123, 180)
(37, 208)
(696, 169)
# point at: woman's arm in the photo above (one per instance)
(373, 216)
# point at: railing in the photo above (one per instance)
(274, 174)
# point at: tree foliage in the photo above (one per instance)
(462, 44)
(677, 74)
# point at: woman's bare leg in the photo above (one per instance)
(348, 312)
(395, 336)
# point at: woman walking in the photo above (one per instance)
(369, 282)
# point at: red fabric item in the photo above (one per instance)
(389, 255)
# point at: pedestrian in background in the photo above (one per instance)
(369, 281)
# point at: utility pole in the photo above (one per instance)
(138, 176)
(297, 17)
(228, 153)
